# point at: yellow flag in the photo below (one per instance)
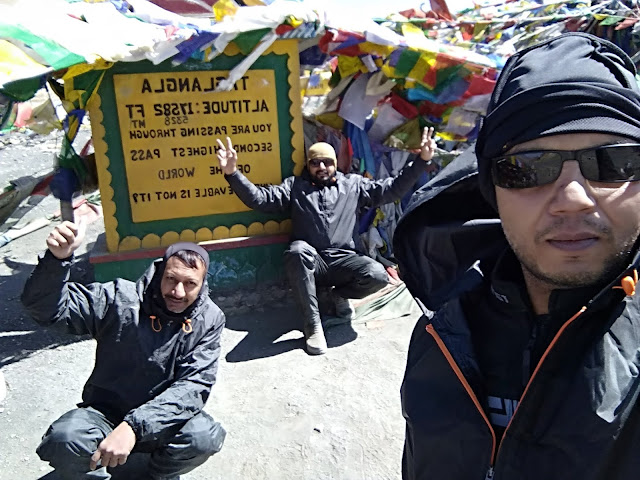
(223, 8)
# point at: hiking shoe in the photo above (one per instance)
(315, 341)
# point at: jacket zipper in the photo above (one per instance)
(540, 362)
(470, 392)
(467, 387)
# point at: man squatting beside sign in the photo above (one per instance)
(323, 204)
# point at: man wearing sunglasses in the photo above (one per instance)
(323, 204)
(526, 363)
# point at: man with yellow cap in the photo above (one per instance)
(323, 204)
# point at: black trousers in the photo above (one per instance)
(74, 437)
(353, 275)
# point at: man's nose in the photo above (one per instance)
(572, 192)
(178, 291)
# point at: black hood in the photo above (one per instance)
(449, 236)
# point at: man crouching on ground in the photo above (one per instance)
(156, 361)
(323, 205)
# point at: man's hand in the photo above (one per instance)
(115, 448)
(427, 145)
(227, 157)
(66, 238)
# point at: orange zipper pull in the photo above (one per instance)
(153, 327)
(628, 284)
(186, 326)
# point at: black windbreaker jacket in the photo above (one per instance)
(325, 217)
(579, 415)
(155, 380)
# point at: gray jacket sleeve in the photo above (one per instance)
(376, 193)
(270, 199)
(194, 376)
(54, 301)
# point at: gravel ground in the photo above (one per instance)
(288, 415)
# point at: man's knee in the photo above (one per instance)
(198, 439)
(206, 443)
(70, 439)
(369, 279)
(300, 252)
(300, 249)
(63, 446)
(375, 275)
(201, 437)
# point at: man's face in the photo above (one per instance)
(322, 170)
(571, 232)
(181, 284)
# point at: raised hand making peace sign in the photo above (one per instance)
(428, 144)
(227, 157)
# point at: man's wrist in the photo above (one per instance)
(50, 254)
(136, 431)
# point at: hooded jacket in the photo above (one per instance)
(577, 416)
(324, 217)
(154, 380)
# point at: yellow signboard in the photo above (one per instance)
(169, 123)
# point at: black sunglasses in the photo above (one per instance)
(328, 162)
(607, 164)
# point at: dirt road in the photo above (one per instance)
(288, 415)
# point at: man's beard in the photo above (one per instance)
(615, 261)
(612, 267)
(180, 303)
(325, 182)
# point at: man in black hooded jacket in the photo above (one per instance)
(323, 204)
(158, 343)
(526, 363)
